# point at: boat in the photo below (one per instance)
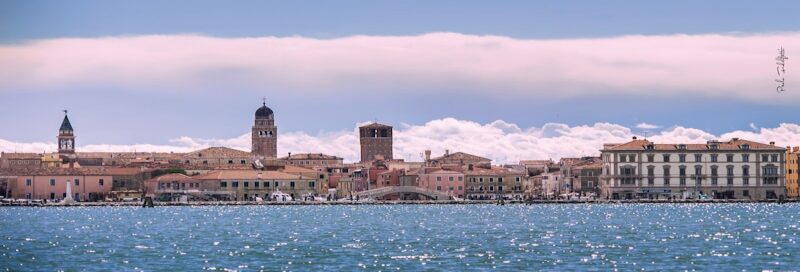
(280, 196)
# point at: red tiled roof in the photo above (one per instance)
(734, 144)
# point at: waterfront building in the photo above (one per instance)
(493, 183)
(322, 177)
(792, 175)
(249, 184)
(442, 180)
(588, 174)
(264, 134)
(376, 142)
(580, 175)
(735, 169)
(51, 183)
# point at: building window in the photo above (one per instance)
(101, 182)
(235, 184)
(623, 158)
(460, 178)
(312, 184)
(266, 184)
(246, 184)
(438, 188)
(450, 178)
(52, 195)
(28, 182)
(698, 157)
(650, 157)
(651, 181)
(77, 182)
(729, 157)
(745, 193)
(774, 158)
(480, 179)
(714, 157)
(764, 158)
(205, 162)
(438, 178)
(745, 157)
(713, 180)
(730, 181)
(276, 184)
(681, 157)
(230, 161)
(698, 170)
(53, 182)
(666, 157)
(223, 184)
(291, 184)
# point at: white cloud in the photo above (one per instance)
(737, 66)
(646, 126)
(499, 140)
(753, 126)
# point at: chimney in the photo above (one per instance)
(735, 139)
(447, 152)
(634, 137)
(771, 143)
(427, 155)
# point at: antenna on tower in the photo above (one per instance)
(65, 112)
(264, 100)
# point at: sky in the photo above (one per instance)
(508, 80)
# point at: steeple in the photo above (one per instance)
(65, 125)
(66, 136)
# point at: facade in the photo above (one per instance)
(264, 134)
(792, 156)
(460, 158)
(249, 184)
(376, 142)
(494, 183)
(448, 181)
(311, 160)
(736, 169)
(51, 184)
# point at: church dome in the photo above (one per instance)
(264, 112)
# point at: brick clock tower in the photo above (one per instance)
(376, 141)
(66, 137)
(265, 133)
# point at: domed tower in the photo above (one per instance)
(66, 137)
(265, 133)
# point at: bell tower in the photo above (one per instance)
(264, 133)
(66, 137)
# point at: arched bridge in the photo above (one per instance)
(379, 192)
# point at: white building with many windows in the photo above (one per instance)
(736, 169)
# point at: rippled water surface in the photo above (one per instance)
(403, 237)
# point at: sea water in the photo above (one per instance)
(402, 237)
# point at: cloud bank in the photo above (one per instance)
(712, 65)
(499, 140)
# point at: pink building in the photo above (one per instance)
(451, 182)
(51, 184)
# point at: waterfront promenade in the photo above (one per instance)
(397, 202)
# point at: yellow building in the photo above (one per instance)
(792, 175)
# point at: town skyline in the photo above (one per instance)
(443, 135)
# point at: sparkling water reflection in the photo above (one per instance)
(403, 237)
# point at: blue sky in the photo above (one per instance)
(112, 112)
